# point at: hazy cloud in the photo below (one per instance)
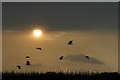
(82, 58)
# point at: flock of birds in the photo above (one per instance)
(60, 58)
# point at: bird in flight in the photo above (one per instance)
(70, 42)
(27, 57)
(39, 48)
(19, 67)
(61, 58)
(28, 63)
(87, 57)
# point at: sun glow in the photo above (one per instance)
(37, 33)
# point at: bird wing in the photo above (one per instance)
(19, 67)
(61, 57)
(87, 57)
(70, 42)
(38, 48)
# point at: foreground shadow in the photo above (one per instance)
(60, 76)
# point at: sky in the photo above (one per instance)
(93, 27)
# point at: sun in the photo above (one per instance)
(37, 33)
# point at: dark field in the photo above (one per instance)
(60, 76)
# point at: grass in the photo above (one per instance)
(60, 76)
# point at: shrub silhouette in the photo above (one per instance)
(60, 76)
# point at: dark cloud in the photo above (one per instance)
(60, 16)
(82, 58)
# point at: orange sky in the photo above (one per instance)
(102, 47)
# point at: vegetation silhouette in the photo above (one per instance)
(60, 76)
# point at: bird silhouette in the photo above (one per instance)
(70, 42)
(39, 48)
(19, 67)
(87, 57)
(28, 63)
(61, 58)
(27, 57)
